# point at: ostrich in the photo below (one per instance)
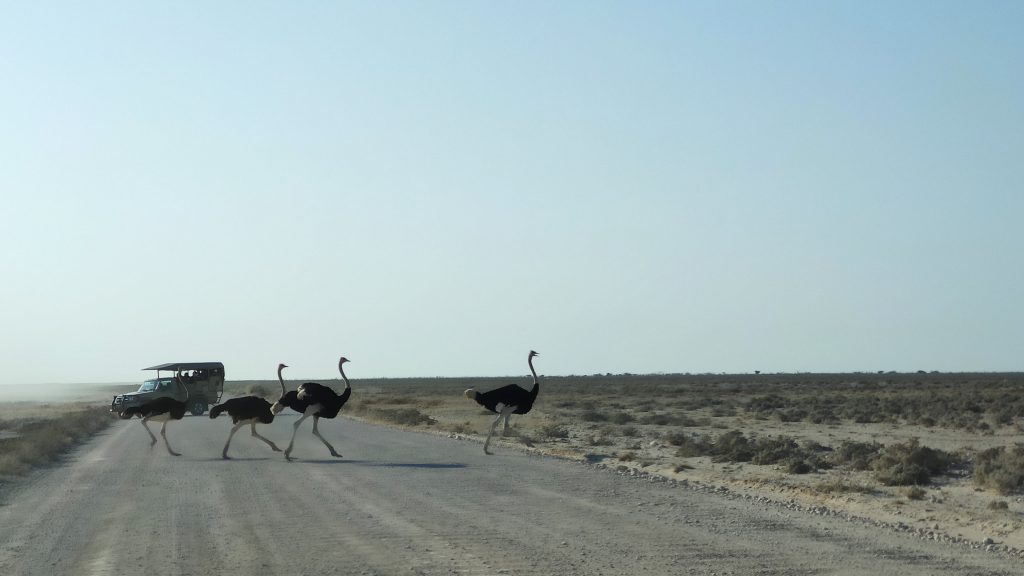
(161, 409)
(245, 410)
(507, 400)
(312, 399)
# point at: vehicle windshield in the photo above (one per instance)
(150, 385)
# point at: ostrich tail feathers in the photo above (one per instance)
(471, 394)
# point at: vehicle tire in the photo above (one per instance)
(198, 407)
(124, 415)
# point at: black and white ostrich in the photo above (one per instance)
(312, 399)
(507, 400)
(161, 410)
(249, 410)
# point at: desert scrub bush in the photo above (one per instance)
(998, 505)
(599, 440)
(629, 431)
(823, 415)
(627, 457)
(525, 438)
(909, 463)
(461, 428)
(797, 466)
(690, 447)
(856, 455)
(723, 411)
(794, 414)
(733, 446)
(622, 418)
(774, 450)
(1003, 415)
(42, 441)
(402, 416)
(667, 420)
(677, 437)
(797, 458)
(553, 430)
(593, 416)
(1000, 469)
(915, 493)
(766, 404)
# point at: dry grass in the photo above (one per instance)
(36, 435)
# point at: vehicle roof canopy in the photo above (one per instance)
(175, 366)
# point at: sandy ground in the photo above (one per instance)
(413, 503)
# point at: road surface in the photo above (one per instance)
(409, 503)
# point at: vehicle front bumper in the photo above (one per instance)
(122, 402)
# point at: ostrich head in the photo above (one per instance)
(532, 354)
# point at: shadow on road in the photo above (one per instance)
(429, 465)
(426, 465)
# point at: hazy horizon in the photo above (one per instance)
(91, 391)
(438, 188)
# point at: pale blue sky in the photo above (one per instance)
(435, 188)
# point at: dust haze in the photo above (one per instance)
(52, 393)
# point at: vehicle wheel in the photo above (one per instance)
(198, 407)
(124, 415)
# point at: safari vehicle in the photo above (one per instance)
(204, 382)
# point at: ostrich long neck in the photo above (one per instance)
(281, 380)
(536, 383)
(181, 381)
(341, 368)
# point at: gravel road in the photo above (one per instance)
(410, 503)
